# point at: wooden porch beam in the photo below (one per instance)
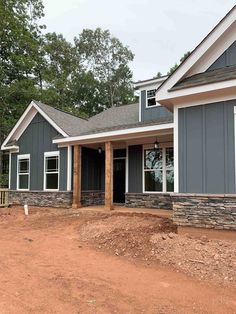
(108, 176)
(77, 177)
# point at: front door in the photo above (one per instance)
(119, 180)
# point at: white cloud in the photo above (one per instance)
(158, 32)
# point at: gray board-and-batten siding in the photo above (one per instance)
(152, 113)
(228, 58)
(207, 148)
(35, 140)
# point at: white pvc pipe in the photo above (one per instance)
(26, 209)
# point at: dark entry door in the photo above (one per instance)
(119, 181)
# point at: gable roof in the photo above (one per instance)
(214, 76)
(202, 57)
(65, 123)
(69, 123)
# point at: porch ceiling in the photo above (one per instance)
(162, 138)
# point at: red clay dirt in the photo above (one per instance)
(47, 268)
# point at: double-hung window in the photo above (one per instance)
(151, 98)
(51, 171)
(23, 172)
(159, 170)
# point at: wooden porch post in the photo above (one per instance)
(77, 177)
(108, 176)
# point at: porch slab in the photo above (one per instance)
(163, 213)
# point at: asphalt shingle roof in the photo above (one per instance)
(69, 123)
(214, 76)
(115, 118)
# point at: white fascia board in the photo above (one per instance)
(16, 127)
(113, 134)
(23, 123)
(185, 67)
(13, 148)
(207, 98)
(149, 87)
(63, 133)
(197, 90)
(147, 83)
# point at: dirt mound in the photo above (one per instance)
(154, 240)
(111, 224)
(213, 260)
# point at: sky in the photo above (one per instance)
(158, 32)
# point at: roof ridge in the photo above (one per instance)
(60, 110)
(113, 107)
(196, 48)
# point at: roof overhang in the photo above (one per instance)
(23, 123)
(116, 135)
(146, 83)
(202, 57)
(218, 90)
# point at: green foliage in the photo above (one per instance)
(173, 68)
(185, 56)
(83, 77)
(159, 75)
(107, 59)
(3, 180)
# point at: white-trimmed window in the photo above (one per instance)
(51, 171)
(151, 98)
(23, 172)
(158, 170)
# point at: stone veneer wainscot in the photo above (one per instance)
(205, 211)
(148, 200)
(54, 199)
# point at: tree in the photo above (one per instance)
(83, 77)
(108, 59)
(159, 75)
(60, 63)
(173, 68)
(19, 41)
(185, 56)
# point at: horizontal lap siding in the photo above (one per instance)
(206, 148)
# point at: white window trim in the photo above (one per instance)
(69, 167)
(19, 157)
(127, 170)
(51, 154)
(235, 143)
(176, 149)
(156, 105)
(9, 172)
(163, 147)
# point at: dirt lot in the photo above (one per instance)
(64, 261)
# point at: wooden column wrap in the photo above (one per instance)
(77, 177)
(108, 176)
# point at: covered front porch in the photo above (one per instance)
(135, 172)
